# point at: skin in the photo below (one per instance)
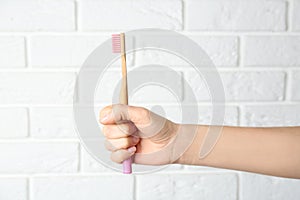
(153, 140)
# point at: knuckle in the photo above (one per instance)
(105, 130)
(144, 113)
(104, 111)
(124, 129)
(108, 145)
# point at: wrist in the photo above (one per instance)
(189, 152)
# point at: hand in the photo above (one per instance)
(131, 130)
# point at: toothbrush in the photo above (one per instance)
(118, 46)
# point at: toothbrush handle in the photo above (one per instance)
(127, 166)
(124, 100)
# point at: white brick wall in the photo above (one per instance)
(254, 44)
(14, 122)
(12, 50)
(42, 157)
(13, 188)
(187, 186)
(33, 15)
(296, 16)
(36, 87)
(235, 15)
(295, 96)
(82, 187)
(263, 187)
(272, 51)
(96, 15)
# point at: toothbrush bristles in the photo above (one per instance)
(116, 43)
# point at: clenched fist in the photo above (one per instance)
(131, 130)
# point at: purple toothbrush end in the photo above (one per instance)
(127, 166)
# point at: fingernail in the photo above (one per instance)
(131, 149)
(105, 118)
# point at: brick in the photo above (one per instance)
(128, 14)
(272, 51)
(262, 187)
(296, 16)
(13, 188)
(270, 115)
(38, 157)
(36, 87)
(295, 95)
(90, 164)
(86, 187)
(232, 15)
(52, 122)
(254, 86)
(34, 15)
(240, 86)
(222, 50)
(62, 51)
(187, 186)
(12, 51)
(14, 123)
(109, 80)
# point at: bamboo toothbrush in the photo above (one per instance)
(118, 46)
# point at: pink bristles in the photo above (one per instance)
(116, 43)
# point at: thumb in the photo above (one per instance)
(146, 121)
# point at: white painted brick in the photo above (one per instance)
(34, 15)
(129, 14)
(14, 123)
(13, 189)
(187, 186)
(38, 157)
(62, 51)
(240, 86)
(296, 16)
(197, 168)
(295, 94)
(235, 15)
(52, 122)
(89, 164)
(272, 51)
(36, 87)
(271, 115)
(12, 51)
(77, 188)
(222, 50)
(149, 93)
(254, 86)
(262, 187)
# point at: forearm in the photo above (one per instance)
(272, 151)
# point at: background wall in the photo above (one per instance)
(254, 44)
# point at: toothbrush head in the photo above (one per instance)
(116, 43)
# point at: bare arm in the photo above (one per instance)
(271, 151)
(137, 131)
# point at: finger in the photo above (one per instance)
(121, 143)
(122, 154)
(119, 131)
(119, 113)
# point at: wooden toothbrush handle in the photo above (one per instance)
(123, 93)
(124, 97)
